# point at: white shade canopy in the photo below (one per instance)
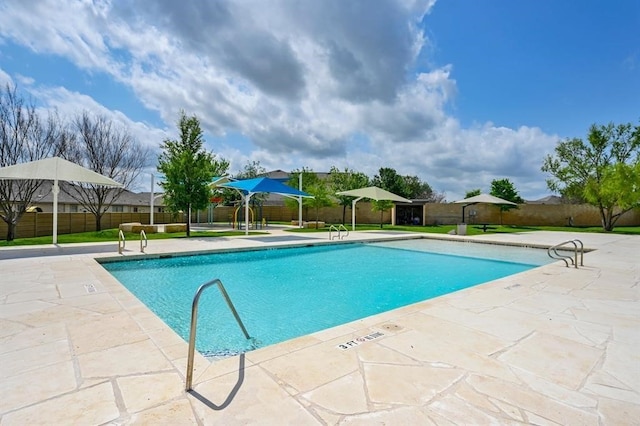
(55, 169)
(482, 199)
(486, 199)
(373, 193)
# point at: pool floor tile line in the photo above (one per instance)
(553, 345)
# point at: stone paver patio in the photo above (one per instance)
(553, 345)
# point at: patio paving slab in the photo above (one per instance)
(552, 345)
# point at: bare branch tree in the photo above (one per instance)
(108, 149)
(24, 137)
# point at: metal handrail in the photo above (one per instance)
(194, 322)
(563, 257)
(143, 238)
(121, 242)
(339, 230)
(331, 229)
(341, 227)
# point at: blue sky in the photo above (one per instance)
(456, 92)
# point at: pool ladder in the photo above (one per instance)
(339, 229)
(553, 253)
(194, 322)
(121, 241)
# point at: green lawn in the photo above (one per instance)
(112, 234)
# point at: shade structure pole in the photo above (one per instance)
(353, 213)
(151, 203)
(246, 213)
(55, 190)
(300, 201)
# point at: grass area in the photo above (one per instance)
(112, 234)
(472, 230)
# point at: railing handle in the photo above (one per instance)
(194, 323)
(121, 241)
(143, 236)
(574, 259)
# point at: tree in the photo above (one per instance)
(310, 182)
(472, 193)
(603, 171)
(505, 189)
(24, 137)
(345, 181)
(321, 197)
(107, 148)
(381, 206)
(251, 170)
(388, 179)
(188, 168)
(415, 188)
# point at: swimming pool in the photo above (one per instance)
(289, 292)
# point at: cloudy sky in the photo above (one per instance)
(456, 92)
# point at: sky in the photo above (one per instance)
(456, 92)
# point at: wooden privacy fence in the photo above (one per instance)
(41, 224)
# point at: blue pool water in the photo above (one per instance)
(285, 293)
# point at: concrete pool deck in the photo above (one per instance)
(553, 345)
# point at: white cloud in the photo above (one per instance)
(310, 84)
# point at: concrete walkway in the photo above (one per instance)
(553, 345)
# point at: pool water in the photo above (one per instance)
(289, 292)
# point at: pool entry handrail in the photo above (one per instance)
(553, 253)
(339, 229)
(143, 240)
(121, 241)
(194, 322)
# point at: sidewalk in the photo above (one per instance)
(552, 345)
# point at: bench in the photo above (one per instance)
(484, 227)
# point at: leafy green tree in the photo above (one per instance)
(505, 189)
(321, 197)
(603, 170)
(388, 179)
(344, 181)
(381, 206)
(472, 193)
(188, 168)
(251, 170)
(415, 188)
(310, 182)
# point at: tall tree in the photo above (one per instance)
(472, 193)
(24, 137)
(107, 148)
(416, 188)
(321, 197)
(381, 206)
(505, 189)
(388, 179)
(310, 181)
(188, 168)
(251, 170)
(603, 171)
(344, 181)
